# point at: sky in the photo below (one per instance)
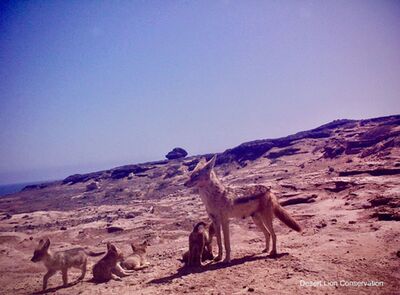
(90, 85)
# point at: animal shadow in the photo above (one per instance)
(211, 266)
(54, 289)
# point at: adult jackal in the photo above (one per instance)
(223, 202)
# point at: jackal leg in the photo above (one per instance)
(227, 240)
(260, 224)
(115, 277)
(119, 271)
(46, 277)
(217, 227)
(268, 223)
(84, 268)
(65, 276)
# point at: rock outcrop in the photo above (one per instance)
(92, 186)
(176, 153)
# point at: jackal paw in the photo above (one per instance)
(218, 258)
(265, 250)
(227, 260)
(272, 253)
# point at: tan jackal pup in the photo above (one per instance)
(108, 267)
(222, 203)
(200, 245)
(61, 260)
(137, 260)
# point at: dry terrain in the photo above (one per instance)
(340, 181)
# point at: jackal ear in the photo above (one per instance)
(113, 248)
(203, 160)
(47, 243)
(210, 164)
(200, 164)
(133, 247)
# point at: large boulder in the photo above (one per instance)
(125, 171)
(176, 153)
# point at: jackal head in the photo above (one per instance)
(201, 173)
(41, 250)
(139, 248)
(113, 252)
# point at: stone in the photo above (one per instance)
(176, 153)
(333, 150)
(321, 224)
(299, 200)
(125, 171)
(92, 186)
(113, 229)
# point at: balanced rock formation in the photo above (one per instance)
(176, 153)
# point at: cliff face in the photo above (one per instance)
(340, 181)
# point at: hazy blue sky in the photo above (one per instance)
(88, 85)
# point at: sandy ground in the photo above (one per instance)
(343, 239)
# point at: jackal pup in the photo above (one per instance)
(137, 260)
(224, 202)
(108, 267)
(200, 245)
(61, 260)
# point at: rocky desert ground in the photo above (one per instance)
(340, 181)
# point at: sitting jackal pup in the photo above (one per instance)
(137, 260)
(108, 267)
(61, 260)
(200, 248)
(207, 249)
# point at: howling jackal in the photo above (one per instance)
(222, 203)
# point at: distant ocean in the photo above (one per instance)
(7, 189)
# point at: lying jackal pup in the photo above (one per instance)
(61, 260)
(137, 260)
(109, 268)
(200, 248)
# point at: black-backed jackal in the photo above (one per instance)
(109, 267)
(223, 203)
(61, 260)
(137, 260)
(200, 244)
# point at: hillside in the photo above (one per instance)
(340, 181)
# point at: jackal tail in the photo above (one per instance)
(284, 216)
(94, 254)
